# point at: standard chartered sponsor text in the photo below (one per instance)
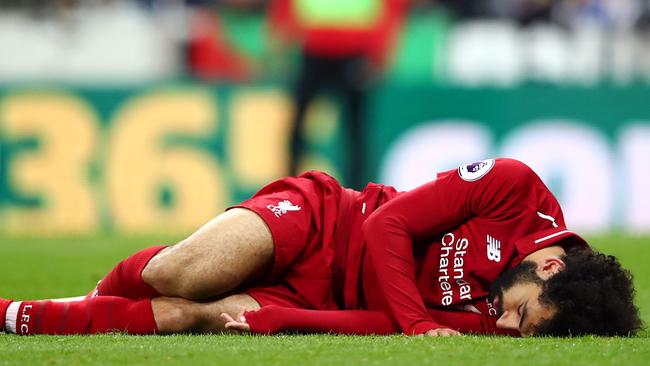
(457, 275)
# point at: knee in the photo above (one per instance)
(160, 278)
(171, 282)
(165, 277)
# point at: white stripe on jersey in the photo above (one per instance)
(551, 236)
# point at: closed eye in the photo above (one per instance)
(522, 314)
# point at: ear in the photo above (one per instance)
(549, 267)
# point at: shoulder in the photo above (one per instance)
(499, 185)
(513, 169)
(507, 180)
(500, 169)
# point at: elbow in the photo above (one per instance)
(372, 226)
(371, 229)
(368, 226)
(378, 228)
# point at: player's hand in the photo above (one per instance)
(238, 325)
(442, 332)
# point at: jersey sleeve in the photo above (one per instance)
(425, 212)
(276, 319)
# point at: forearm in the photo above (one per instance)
(390, 250)
(392, 231)
(276, 319)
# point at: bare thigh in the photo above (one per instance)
(234, 248)
(177, 315)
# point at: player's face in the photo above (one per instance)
(519, 308)
(516, 297)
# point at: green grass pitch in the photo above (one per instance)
(48, 268)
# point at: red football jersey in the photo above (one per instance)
(442, 244)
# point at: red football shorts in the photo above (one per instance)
(301, 214)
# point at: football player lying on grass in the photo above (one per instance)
(481, 249)
(536, 315)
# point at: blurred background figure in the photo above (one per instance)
(211, 54)
(238, 40)
(137, 115)
(344, 45)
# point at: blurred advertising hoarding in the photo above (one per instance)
(169, 158)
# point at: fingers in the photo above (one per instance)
(235, 325)
(449, 333)
(442, 332)
(227, 318)
(240, 316)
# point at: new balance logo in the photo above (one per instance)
(283, 207)
(493, 249)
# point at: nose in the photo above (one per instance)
(508, 321)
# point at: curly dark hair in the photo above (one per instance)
(593, 295)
